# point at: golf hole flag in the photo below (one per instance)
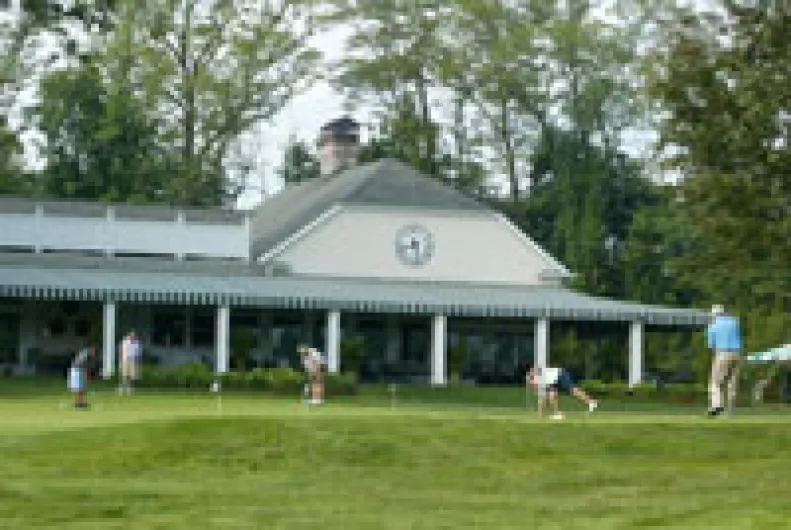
(781, 353)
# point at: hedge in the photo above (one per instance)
(669, 393)
(676, 392)
(283, 381)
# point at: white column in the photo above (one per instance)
(108, 334)
(541, 353)
(439, 354)
(635, 354)
(222, 338)
(333, 342)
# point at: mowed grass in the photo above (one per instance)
(193, 461)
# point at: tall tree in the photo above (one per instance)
(299, 163)
(208, 71)
(725, 86)
(395, 54)
(12, 179)
(100, 145)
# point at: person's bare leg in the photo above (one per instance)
(319, 390)
(580, 394)
(553, 399)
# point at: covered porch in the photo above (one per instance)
(422, 320)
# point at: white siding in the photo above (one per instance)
(469, 247)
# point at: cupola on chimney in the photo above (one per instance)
(340, 145)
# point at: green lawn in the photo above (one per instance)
(190, 461)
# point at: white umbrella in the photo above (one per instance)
(781, 353)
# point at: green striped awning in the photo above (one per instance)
(358, 295)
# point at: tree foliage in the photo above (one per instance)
(157, 109)
(299, 164)
(726, 88)
(12, 180)
(208, 71)
(99, 145)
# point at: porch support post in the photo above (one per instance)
(222, 338)
(108, 336)
(541, 353)
(439, 350)
(636, 334)
(333, 339)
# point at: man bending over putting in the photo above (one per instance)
(553, 380)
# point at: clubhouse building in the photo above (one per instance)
(372, 256)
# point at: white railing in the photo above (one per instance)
(123, 229)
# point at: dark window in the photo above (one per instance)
(56, 327)
(169, 328)
(82, 328)
(244, 320)
(202, 328)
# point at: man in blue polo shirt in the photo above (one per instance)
(724, 338)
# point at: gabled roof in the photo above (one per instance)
(383, 183)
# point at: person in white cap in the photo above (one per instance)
(724, 338)
(551, 381)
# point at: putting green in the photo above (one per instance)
(199, 461)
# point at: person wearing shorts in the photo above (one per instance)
(313, 362)
(725, 340)
(553, 381)
(78, 377)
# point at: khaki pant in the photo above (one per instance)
(724, 366)
(129, 369)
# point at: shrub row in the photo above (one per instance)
(275, 380)
(678, 392)
(669, 393)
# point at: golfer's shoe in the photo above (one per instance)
(593, 405)
(557, 416)
(716, 411)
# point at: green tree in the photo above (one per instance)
(724, 85)
(12, 179)
(395, 52)
(207, 72)
(99, 145)
(299, 163)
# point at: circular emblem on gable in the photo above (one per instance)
(414, 245)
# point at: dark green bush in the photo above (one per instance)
(282, 381)
(648, 392)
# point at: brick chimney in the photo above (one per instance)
(340, 145)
